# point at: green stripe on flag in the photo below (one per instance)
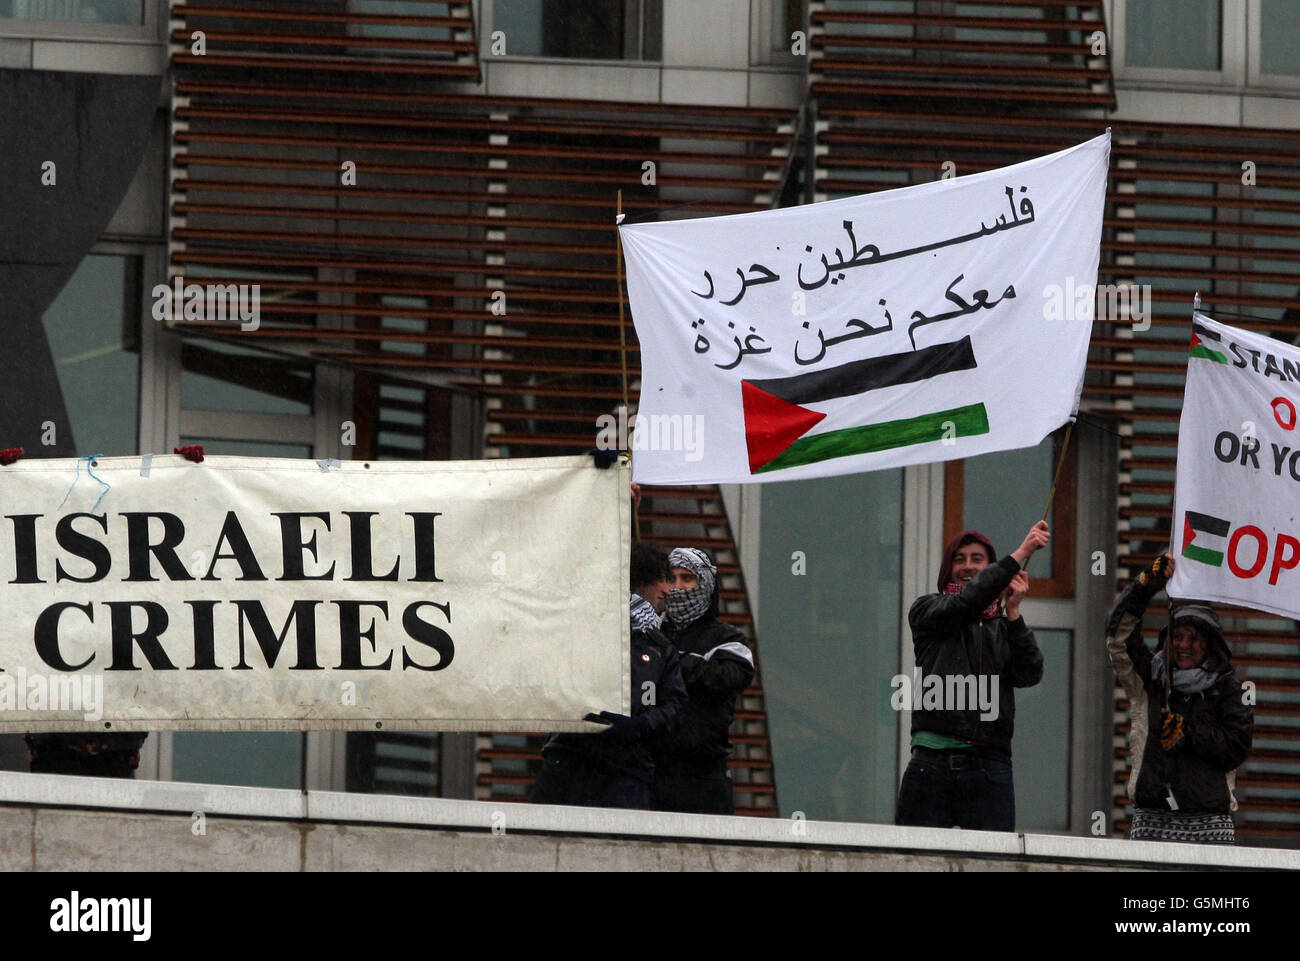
(1213, 558)
(966, 422)
(1200, 350)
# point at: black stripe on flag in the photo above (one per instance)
(860, 376)
(1206, 334)
(1208, 523)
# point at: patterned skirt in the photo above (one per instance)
(1155, 825)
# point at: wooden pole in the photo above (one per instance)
(622, 349)
(1051, 495)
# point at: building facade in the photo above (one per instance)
(425, 193)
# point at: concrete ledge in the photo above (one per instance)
(151, 825)
(61, 790)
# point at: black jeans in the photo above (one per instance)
(945, 789)
(568, 778)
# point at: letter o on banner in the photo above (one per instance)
(1261, 549)
(1235, 445)
(1280, 404)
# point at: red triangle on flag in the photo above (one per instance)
(1195, 340)
(1188, 533)
(772, 424)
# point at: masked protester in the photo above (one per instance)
(971, 657)
(613, 768)
(691, 765)
(1185, 756)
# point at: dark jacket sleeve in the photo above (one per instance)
(1026, 668)
(1222, 738)
(727, 668)
(933, 612)
(1129, 654)
(670, 697)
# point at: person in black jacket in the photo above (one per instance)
(614, 767)
(88, 755)
(1183, 775)
(691, 764)
(970, 657)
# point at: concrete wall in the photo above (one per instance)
(57, 823)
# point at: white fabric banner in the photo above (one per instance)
(1237, 493)
(250, 593)
(921, 324)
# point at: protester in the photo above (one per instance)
(651, 580)
(691, 766)
(960, 773)
(89, 755)
(1182, 780)
(613, 768)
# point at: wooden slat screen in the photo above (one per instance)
(461, 202)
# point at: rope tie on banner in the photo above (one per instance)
(90, 461)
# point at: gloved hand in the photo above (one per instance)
(1172, 729)
(1160, 571)
(622, 729)
(603, 458)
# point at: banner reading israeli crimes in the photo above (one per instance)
(257, 594)
(921, 324)
(1237, 495)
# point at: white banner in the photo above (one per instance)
(1237, 494)
(246, 593)
(921, 324)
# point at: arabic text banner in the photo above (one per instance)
(257, 594)
(921, 324)
(1237, 494)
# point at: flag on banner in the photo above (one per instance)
(921, 324)
(1236, 530)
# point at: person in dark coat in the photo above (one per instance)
(614, 767)
(970, 657)
(89, 755)
(691, 771)
(1185, 754)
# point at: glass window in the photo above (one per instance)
(975, 497)
(1005, 520)
(1175, 36)
(129, 12)
(581, 29)
(399, 8)
(830, 638)
(1041, 745)
(93, 331)
(244, 758)
(1279, 37)
(219, 376)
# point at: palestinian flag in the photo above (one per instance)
(777, 421)
(1199, 348)
(1213, 530)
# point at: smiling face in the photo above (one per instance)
(1189, 647)
(655, 592)
(969, 560)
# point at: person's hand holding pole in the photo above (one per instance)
(1035, 540)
